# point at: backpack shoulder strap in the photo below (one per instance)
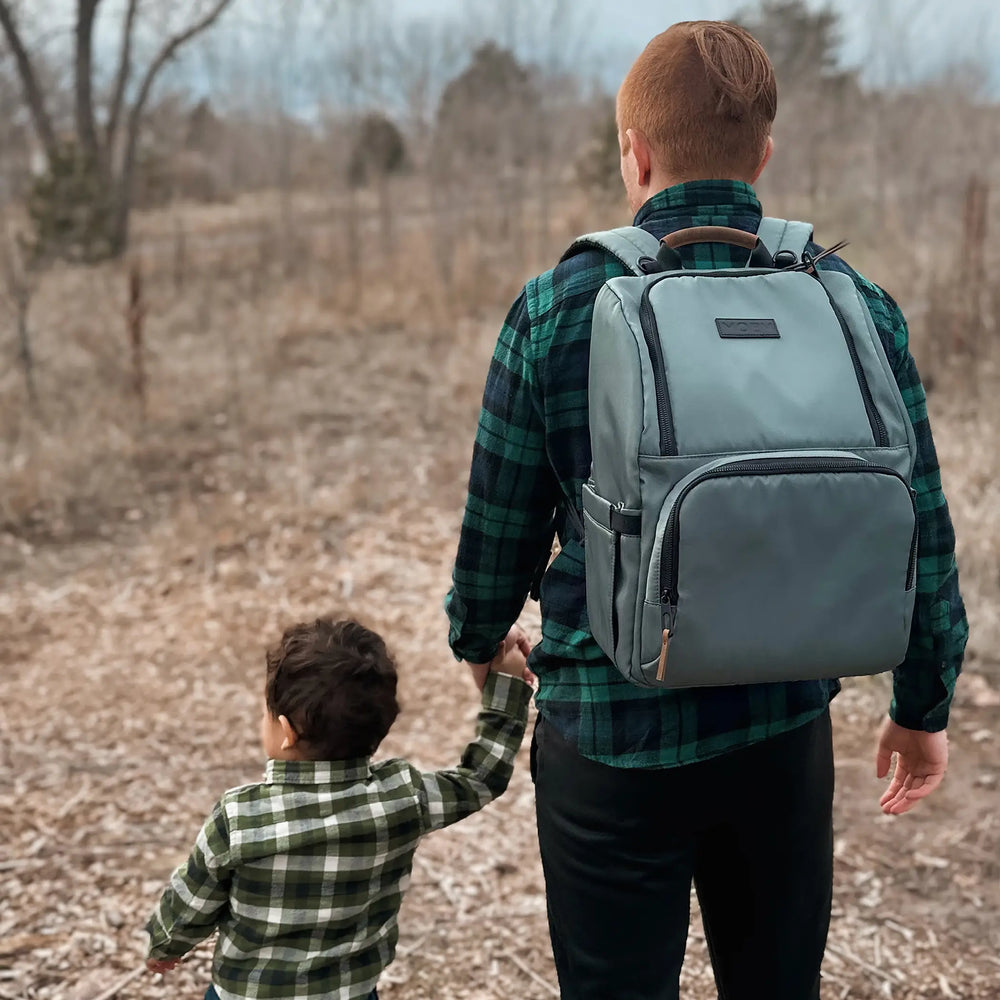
(626, 244)
(780, 234)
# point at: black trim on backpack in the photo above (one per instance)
(625, 524)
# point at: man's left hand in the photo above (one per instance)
(921, 761)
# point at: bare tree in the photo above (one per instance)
(106, 154)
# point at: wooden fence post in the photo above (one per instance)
(135, 317)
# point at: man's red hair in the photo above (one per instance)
(703, 94)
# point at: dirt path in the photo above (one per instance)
(133, 667)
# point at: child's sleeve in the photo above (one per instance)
(488, 761)
(196, 896)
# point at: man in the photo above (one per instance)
(638, 790)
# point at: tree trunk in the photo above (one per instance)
(29, 83)
(121, 79)
(86, 130)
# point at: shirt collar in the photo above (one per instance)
(716, 197)
(317, 772)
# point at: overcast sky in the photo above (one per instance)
(901, 39)
(921, 34)
(898, 40)
(888, 36)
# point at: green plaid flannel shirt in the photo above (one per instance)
(531, 455)
(303, 874)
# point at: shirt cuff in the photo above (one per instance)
(506, 694)
(474, 654)
(468, 645)
(161, 947)
(922, 722)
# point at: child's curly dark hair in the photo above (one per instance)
(335, 682)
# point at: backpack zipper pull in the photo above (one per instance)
(669, 616)
(661, 668)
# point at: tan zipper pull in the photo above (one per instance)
(662, 667)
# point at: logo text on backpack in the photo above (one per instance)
(747, 329)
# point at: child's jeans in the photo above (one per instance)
(210, 994)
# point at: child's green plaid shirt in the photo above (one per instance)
(531, 456)
(303, 874)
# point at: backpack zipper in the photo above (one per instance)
(874, 417)
(664, 416)
(764, 467)
(651, 334)
(911, 569)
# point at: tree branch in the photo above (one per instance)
(168, 51)
(121, 79)
(127, 173)
(33, 96)
(86, 130)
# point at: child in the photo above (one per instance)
(303, 874)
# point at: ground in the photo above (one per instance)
(131, 634)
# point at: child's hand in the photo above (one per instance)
(162, 965)
(512, 656)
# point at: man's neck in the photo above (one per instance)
(660, 182)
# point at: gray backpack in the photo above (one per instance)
(749, 516)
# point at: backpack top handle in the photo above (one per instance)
(670, 260)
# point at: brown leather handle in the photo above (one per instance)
(711, 234)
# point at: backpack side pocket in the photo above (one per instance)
(611, 548)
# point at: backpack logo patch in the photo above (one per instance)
(747, 329)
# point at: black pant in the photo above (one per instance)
(619, 848)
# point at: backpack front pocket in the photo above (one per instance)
(779, 567)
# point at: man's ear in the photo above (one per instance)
(768, 150)
(639, 149)
(288, 732)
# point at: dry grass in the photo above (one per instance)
(224, 343)
(300, 455)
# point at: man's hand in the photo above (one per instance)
(515, 637)
(162, 965)
(921, 760)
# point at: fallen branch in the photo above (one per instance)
(849, 956)
(544, 983)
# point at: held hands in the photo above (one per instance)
(921, 760)
(512, 655)
(511, 658)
